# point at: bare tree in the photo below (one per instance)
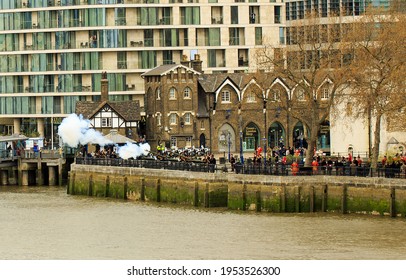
(313, 65)
(378, 70)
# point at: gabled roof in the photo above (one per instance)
(167, 68)
(211, 82)
(128, 110)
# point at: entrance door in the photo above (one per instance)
(202, 141)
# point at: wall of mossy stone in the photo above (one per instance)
(275, 194)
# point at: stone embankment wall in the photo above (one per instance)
(379, 196)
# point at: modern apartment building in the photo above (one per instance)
(53, 52)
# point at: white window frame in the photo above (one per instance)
(225, 96)
(251, 97)
(159, 120)
(187, 93)
(174, 142)
(276, 95)
(187, 118)
(300, 95)
(172, 93)
(105, 122)
(158, 94)
(173, 119)
(188, 141)
(325, 93)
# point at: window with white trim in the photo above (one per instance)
(174, 142)
(225, 96)
(325, 93)
(172, 119)
(250, 97)
(187, 118)
(158, 93)
(172, 93)
(188, 141)
(158, 120)
(106, 122)
(276, 95)
(186, 92)
(300, 94)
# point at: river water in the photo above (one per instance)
(46, 223)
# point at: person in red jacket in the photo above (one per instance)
(315, 165)
(295, 168)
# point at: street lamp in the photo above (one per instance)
(241, 154)
(264, 141)
(229, 144)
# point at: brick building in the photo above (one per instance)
(226, 112)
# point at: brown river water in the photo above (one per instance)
(45, 223)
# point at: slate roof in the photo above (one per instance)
(128, 110)
(211, 82)
(165, 69)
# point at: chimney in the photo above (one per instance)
(197, 64)
(185, 61)
(104, 87)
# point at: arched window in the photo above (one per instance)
(187, 118)
(172, 119)
(158, 93)
(158, 120)
(187, 93)
(172, 93)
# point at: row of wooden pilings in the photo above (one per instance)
(298, 203)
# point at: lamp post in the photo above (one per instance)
(264, 141)
(241, 154)
(229, 144)
(240, 125)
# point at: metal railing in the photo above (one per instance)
(248, 168)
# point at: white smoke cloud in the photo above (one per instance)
(74, 130)
(131, 150)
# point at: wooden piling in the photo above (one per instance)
(258, 201)
(158, 190)
(196, 195)
(90, 186)
(206, 196)
(311, 199)
(344, 200)
(107, 188)
(142, 191)
(392, 203)
(125, 189)
(324, 199)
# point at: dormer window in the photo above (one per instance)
(300, 95)
(277, 95)
(251, 97)
(225, 96)
(325, 93)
